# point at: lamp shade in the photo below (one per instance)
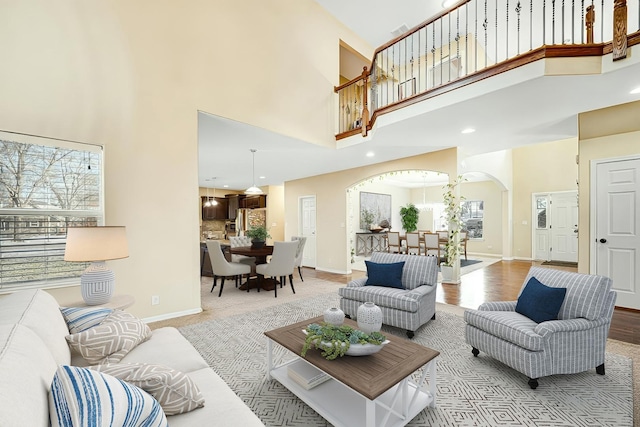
(96, 244)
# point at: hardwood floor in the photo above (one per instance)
(502, 282)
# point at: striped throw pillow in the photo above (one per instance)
(82, 397)
(82, 318)
(174, 390)
(111, 340)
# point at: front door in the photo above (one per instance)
(564, 226)
(616, 224)
(308, 229)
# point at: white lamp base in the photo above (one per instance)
(97, 283)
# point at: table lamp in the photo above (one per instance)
(96, 244)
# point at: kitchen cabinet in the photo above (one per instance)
(219, 211)
(253, 202)
(234, 204)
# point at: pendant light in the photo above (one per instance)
(253, 189)
(208, 202)
(214, 202)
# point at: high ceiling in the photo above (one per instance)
(517, 108)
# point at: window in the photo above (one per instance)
(46, 186)
(541, 212)
(472, 218)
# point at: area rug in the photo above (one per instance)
(471, 391)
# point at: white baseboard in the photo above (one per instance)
(330, 270)
(173, 315)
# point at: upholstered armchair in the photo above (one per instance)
(573, 341)
(408, 306)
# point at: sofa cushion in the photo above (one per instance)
(417, 271)
(508, 325)
(586, 293)
(381, 296)
(26, 369)
(82, 318)
(388, 274)
(540, 303)
(226, 408)
(174, 390)
(39, 311)
(82, 397)
(112, 339)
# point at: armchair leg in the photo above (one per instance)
(300, 273)
(410, 334)
(215, 280)
(433, 317)
(475, 351)
(600, 369)
(533, 383)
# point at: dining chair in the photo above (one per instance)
(463, 241)
(432, 245)
(393, 239)
(281, 265)
(299, 252)
(223, 268)
(413, 243)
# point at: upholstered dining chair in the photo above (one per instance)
(239, 242)
(558, 325)
(413, 243)
(432, 245)
(299, 252)
(281, 265)
(393, 242)
(223, 268)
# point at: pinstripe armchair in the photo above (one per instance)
(407, 308)
(573, 343)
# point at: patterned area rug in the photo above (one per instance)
(471, 391)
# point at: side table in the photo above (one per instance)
(120, 302)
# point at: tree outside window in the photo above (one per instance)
(473, 217)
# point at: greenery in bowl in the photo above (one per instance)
(258, 233)
(334, 341)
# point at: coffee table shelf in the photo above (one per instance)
(342, 406)
(371, 391)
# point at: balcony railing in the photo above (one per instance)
(479, 38)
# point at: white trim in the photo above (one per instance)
(173, 315)
(332, 270)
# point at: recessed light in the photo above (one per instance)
(468, 130)
(262, 177)
(370, 154)
(225, 186)
(448, 3)
(635, 91)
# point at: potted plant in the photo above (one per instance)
(453, 217)
(259, 234)
(334, 341)
(409, 216)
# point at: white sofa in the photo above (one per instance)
(33, 345)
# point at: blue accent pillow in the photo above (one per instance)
(389, 275)
(540, 302)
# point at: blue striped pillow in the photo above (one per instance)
(83, 397)
(82, 318)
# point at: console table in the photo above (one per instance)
(368, 242)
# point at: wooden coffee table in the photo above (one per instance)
(374, 390)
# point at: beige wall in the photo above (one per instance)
(275, 212)
(539, 168)
(132, 75)
(603, 134)
(332, 245)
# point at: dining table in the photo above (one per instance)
(260, 254)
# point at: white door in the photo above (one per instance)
(308, 229)
(616, 226)
(564, 226)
